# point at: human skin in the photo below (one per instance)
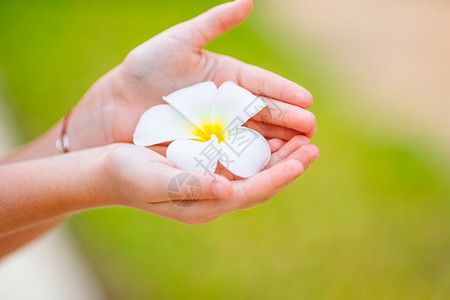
(109, 112)
(175, 59)
(36, 193)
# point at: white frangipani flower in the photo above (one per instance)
(204, 123)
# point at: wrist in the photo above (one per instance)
(119, 183)
(103, 187)
(108, 180)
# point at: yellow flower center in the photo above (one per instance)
(208, 130)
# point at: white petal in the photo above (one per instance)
(160, 124)
(194, 102)
(244, 152)
(195, 156)
(234, 105)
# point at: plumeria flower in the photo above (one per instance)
(205, 124)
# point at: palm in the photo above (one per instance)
(155, 69)
(160, 66)
(135, 165)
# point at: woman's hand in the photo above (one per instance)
(39, 191)
(36, 192)
(143, 179)
(175, 59)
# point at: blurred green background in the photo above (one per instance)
(369, 220)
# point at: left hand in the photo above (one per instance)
(140, 178)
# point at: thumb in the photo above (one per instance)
(182, 185)
(202, 29)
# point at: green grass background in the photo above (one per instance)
(369, 220)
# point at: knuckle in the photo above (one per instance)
(301, 139)
(284, 92)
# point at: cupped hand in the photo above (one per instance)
(144, 179)
(176, 59)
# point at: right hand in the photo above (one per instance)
(174, 59)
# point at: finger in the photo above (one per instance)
(256, 189)
(312, 133)
(183, 186)
(202, 29)
(271, 131)
(266, 184)
(306, 154)
(263, 186)
(289, 148)
(246, 193)
(265, 83)
(275, 144)
(286, 115)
